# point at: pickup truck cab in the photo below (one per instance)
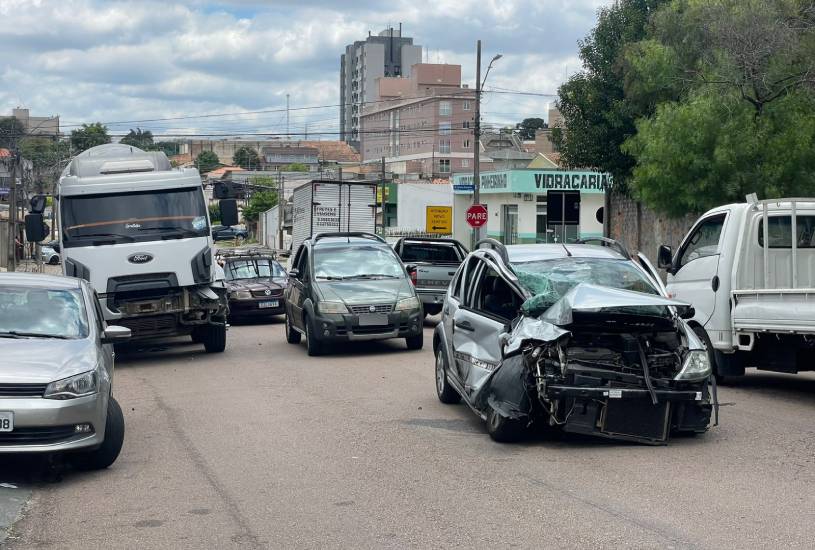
(431, 264)
(749, 272)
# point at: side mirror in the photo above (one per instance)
(37, 204)
(115, 333)
(229, 211)
(294, 273)
(686, 312)
(35, 228)
(665, 257)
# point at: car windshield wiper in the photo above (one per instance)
(374, 276)
(332, 278)
(22, 334)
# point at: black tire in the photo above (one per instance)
(432, 310)
(197, 335)
(502, 429)
(108, 451)
(292, 336)
(313, 346)
(446, 393)
(54, 260)
(415, 342)
(214, 337)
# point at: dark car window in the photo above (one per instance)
(780, 230)
(43, 312)
(426, 252)
(494, 297)
(704, 241)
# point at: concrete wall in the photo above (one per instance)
(414, 198)
(641, 229)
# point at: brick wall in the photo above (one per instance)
(643, 230)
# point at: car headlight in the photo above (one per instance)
(73, 386)
(241, 295)
(331, 307)
(695, 367)
(408, 304)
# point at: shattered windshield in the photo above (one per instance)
(549, 280)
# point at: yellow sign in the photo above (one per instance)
(439, 219)
(379, 194)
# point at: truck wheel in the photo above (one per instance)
(54, 260)
(292, 336)
(415, 342)
(444, 390)
(313, 346)
(214, 338)
(502, 429)
(106, 454)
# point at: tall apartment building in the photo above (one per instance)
(424, 123)
(41, 126)
(387, 54)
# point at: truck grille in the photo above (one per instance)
(22, 390)
(378, 308)
(37, 436)
(147, 326)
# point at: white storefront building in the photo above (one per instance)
(534, 206)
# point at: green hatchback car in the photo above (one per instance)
(349, 287)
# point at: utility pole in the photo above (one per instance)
(382, 200)
(280, 210)
(11, 264)
(477, 138)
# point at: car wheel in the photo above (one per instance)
(292, 336)
(53, 261)
(446, 392)
(108, 451)
(313, 346)
(502, 429)
(214, 337)
(432, 310)
(415, 342)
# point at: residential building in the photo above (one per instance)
(328, 152)
(505, 150)
(543, 137)
(388, 54)
(421, 124)
(41, 126)
(280, 156)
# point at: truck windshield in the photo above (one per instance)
(42, 313)
(133, 217)
(356, 262)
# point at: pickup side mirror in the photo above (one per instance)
(294, 273)
(35, 228)
(665, 257)
(229, 212)
(115, 333)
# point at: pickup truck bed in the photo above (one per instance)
(431, 264)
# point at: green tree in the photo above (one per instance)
(214, 213)
(143, 139)
(597, 116)
(89, 135)
(743, 115)
(259, 202)
(247, 158)
(11, 131)
(527, 127)
(206, 161)
(49, 157)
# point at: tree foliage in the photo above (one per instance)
(259, 202)
(143, 139)
(206, 161)
(247, 158)
(527, 127)
(49, 157)
(89, 135)
(295, 167)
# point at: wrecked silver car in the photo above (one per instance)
(577, 337)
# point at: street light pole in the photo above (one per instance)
(477, 138)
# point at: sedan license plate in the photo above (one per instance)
(272, 303)
(6, 421)
(373, 319)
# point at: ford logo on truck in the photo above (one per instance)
(140, 258)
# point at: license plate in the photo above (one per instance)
(6, 421)
(373, 319)
(272, 303)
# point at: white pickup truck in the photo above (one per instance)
(749, 272)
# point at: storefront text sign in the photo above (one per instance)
(537, 181)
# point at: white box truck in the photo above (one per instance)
(138, 230)
(325, 206)
(749, 272)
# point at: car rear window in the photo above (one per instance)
(433, 253)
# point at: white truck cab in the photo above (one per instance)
(754, 296)
(138, 230)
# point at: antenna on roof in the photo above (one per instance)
(566, 249)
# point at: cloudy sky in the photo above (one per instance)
(121, 62)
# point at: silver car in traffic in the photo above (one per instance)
(56, 371)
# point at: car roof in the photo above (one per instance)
(326, 242)
(39, 280)
(520, 253)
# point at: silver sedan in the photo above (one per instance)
(57, 370)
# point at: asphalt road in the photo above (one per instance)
(263, 447)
